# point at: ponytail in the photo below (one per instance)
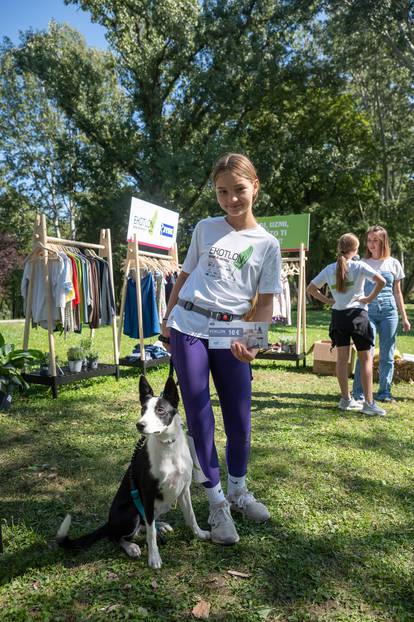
(341, 272)
(346, 243)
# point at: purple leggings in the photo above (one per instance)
(193, 362)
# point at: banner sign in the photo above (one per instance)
(291, 230)
(153, 225)
(222, 334)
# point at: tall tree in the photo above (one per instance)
(44, 158)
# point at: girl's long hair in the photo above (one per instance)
(346, 243)
(383, 238)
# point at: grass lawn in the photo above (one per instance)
(340, 489)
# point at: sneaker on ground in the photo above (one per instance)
(246, 504)
(345, 404)
(373, 410)
(223, 530)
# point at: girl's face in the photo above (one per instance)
(235, 194)
(374, 245)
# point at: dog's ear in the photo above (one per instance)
(145, 390)
(170, 392)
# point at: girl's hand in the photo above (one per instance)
(243, 354)
(165, 332)
(406, 325)
(365, 300)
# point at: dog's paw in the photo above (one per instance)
(163, 527)
(203, 534)
(131, 549)
(154, 560)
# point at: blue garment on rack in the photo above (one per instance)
(150, 319)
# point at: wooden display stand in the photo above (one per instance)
(42, 246)
(300, 352)
(134, 261)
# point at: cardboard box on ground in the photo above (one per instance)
(324, 361)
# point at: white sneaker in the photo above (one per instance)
(246, 504)
(373, 410)
(345, 404)
(223, 530)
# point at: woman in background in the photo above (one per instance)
(383, 310)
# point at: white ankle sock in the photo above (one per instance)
(235, 484)
(215, 495)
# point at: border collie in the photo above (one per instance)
(158, 476)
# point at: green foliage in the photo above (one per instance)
(76, 353)
(13, 362)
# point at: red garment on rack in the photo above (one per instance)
(76, 300)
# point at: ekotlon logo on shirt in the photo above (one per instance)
(239, 259)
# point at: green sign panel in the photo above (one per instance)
(291, 231)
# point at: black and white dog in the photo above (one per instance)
(158, 476)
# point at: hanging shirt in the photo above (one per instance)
(60, 285)
(150, 319)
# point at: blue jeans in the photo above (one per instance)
(383, 316)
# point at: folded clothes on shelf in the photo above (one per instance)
(151, 352)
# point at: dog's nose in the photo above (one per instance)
(140, 427)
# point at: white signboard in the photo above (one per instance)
(152, 224)
(222, 334)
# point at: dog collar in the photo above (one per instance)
(167, 442)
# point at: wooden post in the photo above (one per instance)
(123, 299)
(50, 328)
(105, 240)
(139, 300)
(299, 308)
(303, 272)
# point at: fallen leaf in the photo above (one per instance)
(154, 584)
(242, 575)
(202, 610)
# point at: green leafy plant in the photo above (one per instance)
(13, 362)
(93, 355)
(86, 344)
(75, 353)
(45, 358)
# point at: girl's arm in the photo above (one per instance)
(181, 279)
(401, 306)
(313, 291)
(263, 313)
(379, 284)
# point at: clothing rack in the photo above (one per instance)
(135, 260)
(43, 245)
(294, 265)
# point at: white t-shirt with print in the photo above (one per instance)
(226, 267)
(357, 273)
(387, 264)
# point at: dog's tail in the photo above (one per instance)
(83, 542)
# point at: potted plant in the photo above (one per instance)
(75, 358)
(86, 345)
(92, 358)
(13, 363)
(45, 362)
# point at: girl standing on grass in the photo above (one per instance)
(230, 258)
(383, 311)
(345, 279)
